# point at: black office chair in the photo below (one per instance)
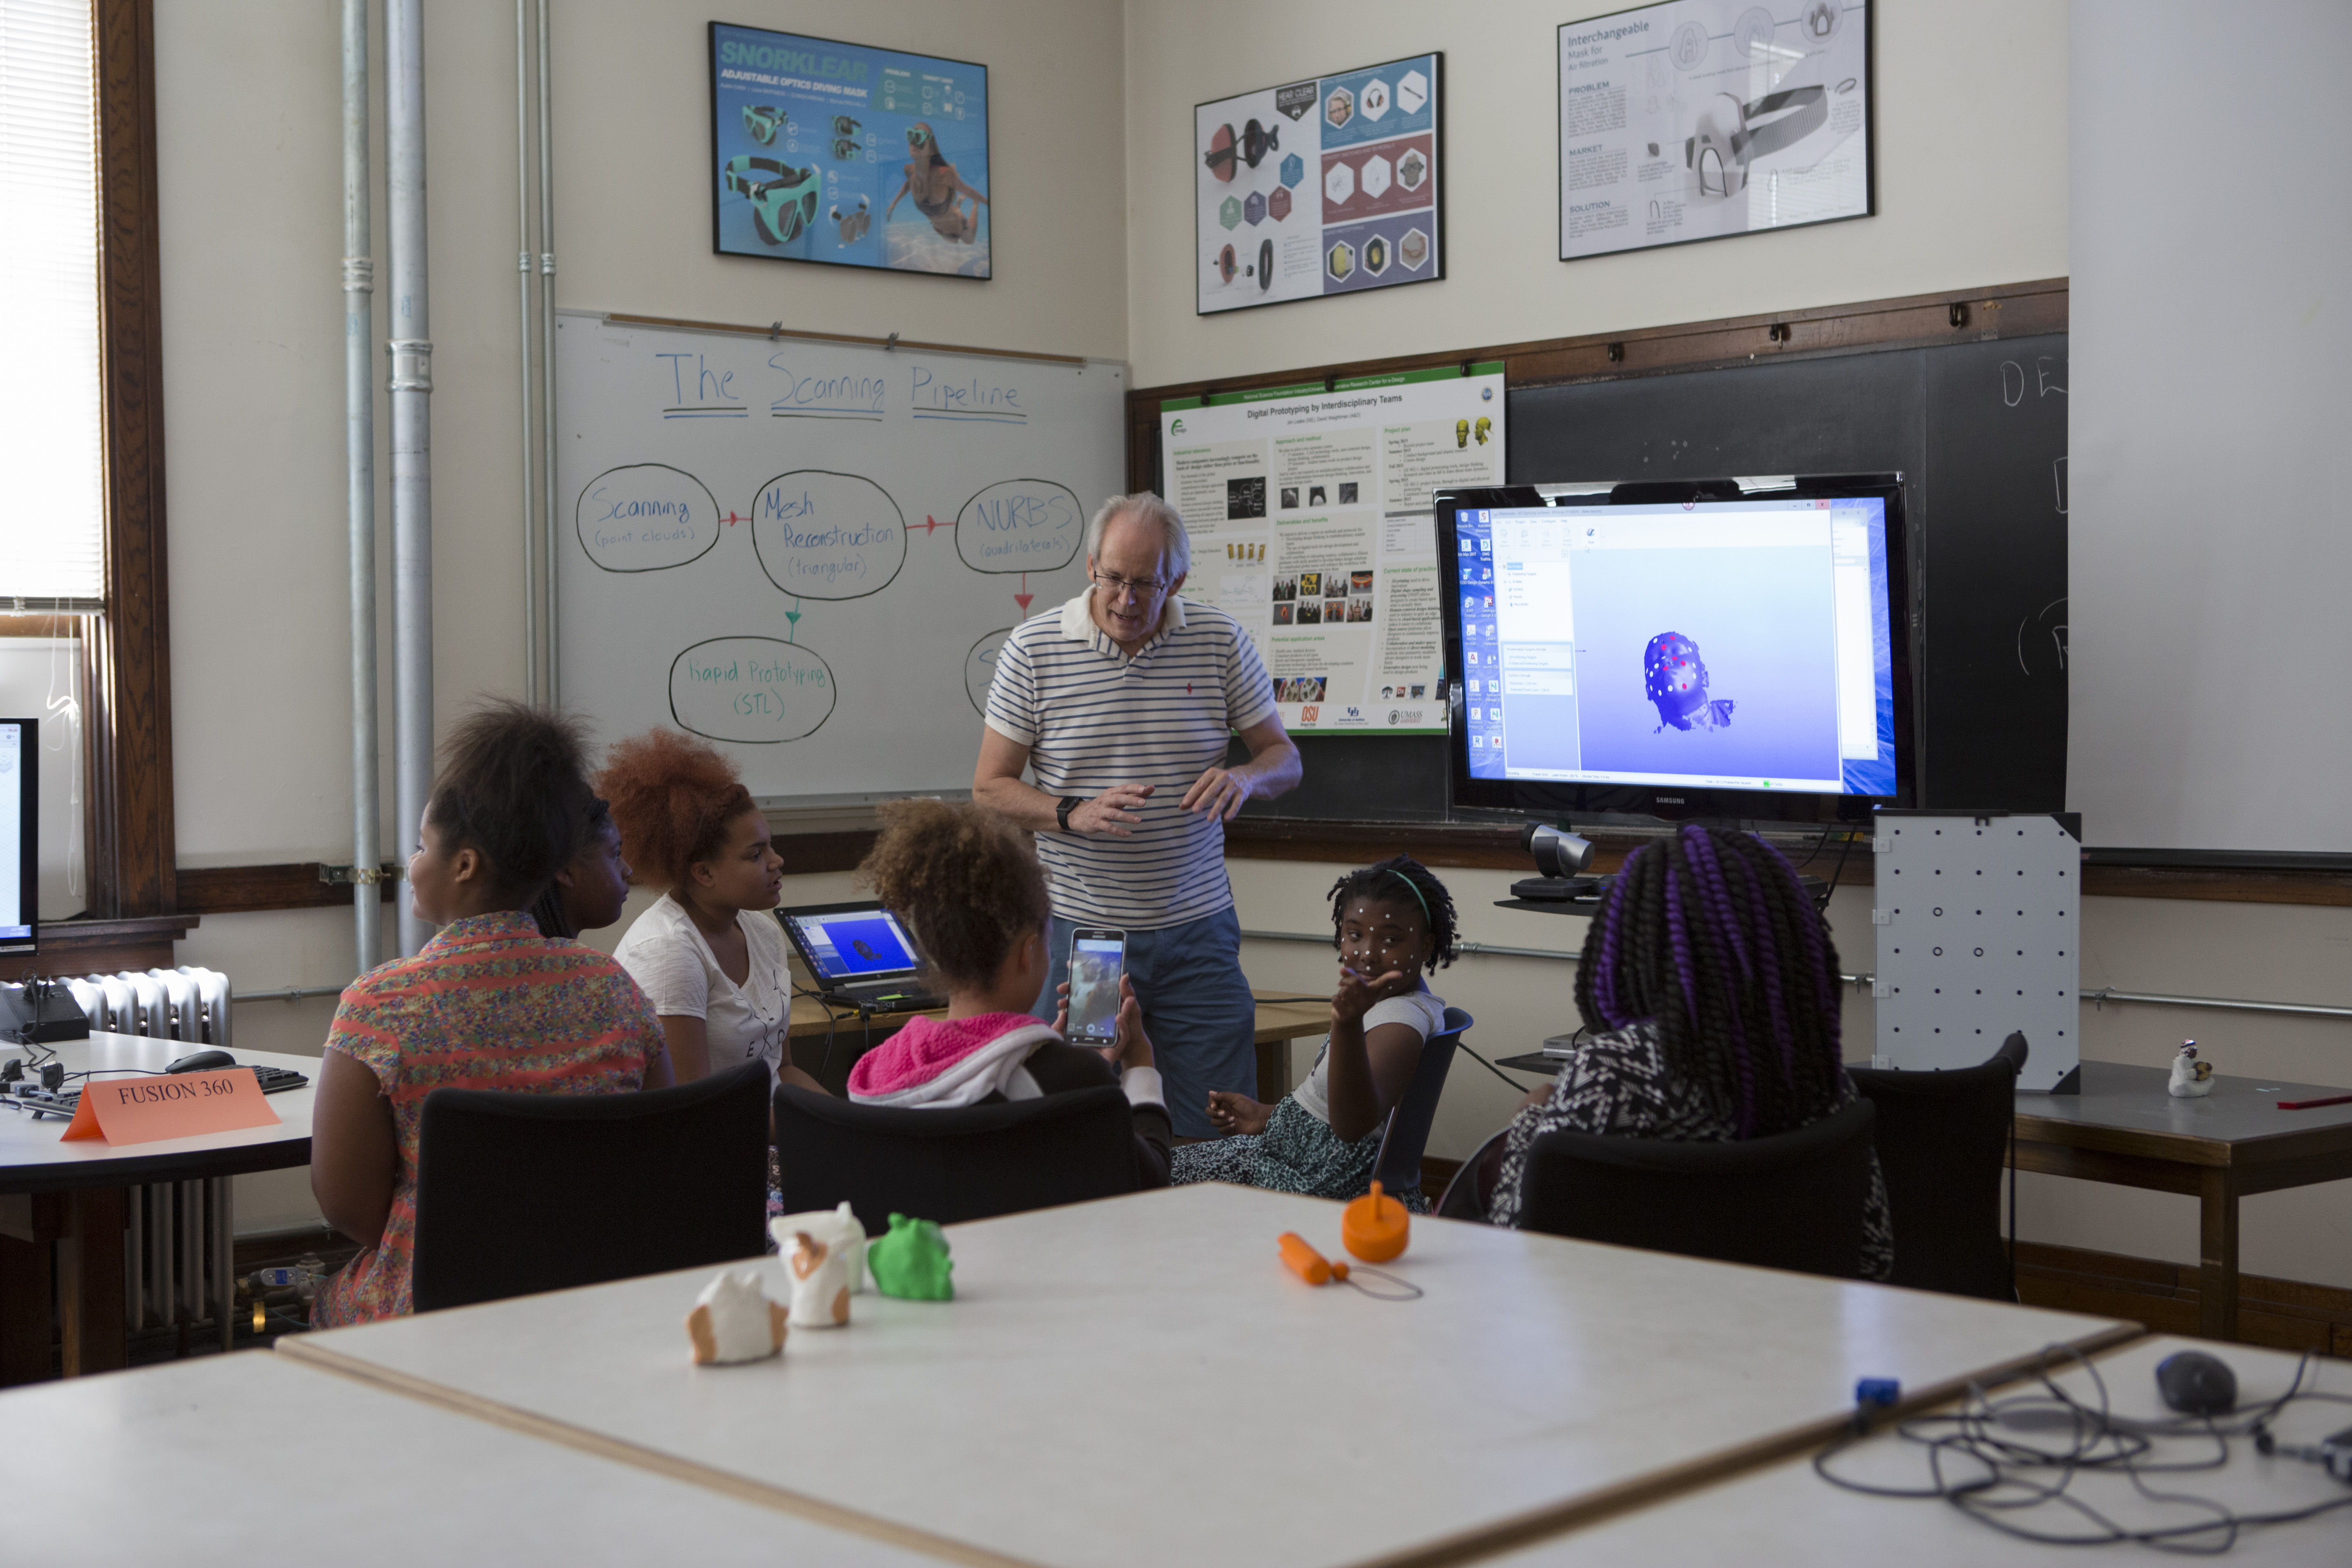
(1794, 1200)
(1409, 1121)
(523, 1193)
(970, 1163)
(1463, 1200)
(1943, 1139)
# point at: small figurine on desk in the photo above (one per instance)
(2191, 1080)
(820, 1283)
(733, 1320)
(910, 1260)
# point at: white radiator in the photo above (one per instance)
(179, 1235)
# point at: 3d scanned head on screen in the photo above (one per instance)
(1674, 678)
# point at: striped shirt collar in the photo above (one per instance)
(1078, 625)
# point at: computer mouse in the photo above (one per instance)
(202, 1061)
(2196, 1383)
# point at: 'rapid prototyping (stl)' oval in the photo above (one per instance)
(980, 668)
(1021, 525)
(646, 517)
(755, 690)
(822, 535)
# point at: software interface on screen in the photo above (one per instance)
(855, 943)
(16, 922)
(1740, 645)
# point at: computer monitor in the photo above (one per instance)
(20, 801)
(850, 943)
(1696, 656)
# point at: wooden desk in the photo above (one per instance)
(73, 1194)
(1787, 1517)
(1116, 1380)
(236, 1459)
(2123, 1128)
(825, 1043)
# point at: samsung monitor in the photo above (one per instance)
(20, 786)
(1685, 651)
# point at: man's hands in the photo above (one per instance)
(1219, 794)
(1357, 994)
(1230, 1113)
(1112, 814)
(1130, 1046)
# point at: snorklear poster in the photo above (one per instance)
(1700, 119)
(1318, 187)
(830, 151)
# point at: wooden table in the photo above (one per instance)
(248, 1458)
(1784, 1516)
(74, 1195)
(826, 1043)
(2124, 1128)
(1117, 1381)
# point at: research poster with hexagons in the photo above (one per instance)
(1309, 513)
(1701, 119)
(810, 552)
(1319, 187)
(822, 151)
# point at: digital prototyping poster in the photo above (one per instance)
(1311, 524)
(837, 153)
(1319, 187)
(1700, 119)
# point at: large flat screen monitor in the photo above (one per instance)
(1743, 659)
(20, 783)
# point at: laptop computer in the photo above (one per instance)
(860, 956)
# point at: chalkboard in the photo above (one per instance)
(1978, 432)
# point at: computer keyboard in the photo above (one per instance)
(28, 1094)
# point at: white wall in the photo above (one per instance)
(1971, 162)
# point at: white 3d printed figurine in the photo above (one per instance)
(733, 1320)
(836, 1228)
(820, 1283)
(2191, 1080)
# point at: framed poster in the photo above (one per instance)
(822, 151)
(1319, 187)
(1701, 119)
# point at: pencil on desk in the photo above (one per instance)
(2312, 1104)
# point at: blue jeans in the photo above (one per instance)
(1196, 1008)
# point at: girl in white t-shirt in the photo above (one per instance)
(708, 952)
(1390, 922)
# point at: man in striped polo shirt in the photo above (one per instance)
(1122, 701)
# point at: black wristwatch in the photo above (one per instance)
(1070, 803)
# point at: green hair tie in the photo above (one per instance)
(1427, 917)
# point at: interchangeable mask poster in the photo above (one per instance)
(1319, 187)
(833, 151)
(1311, 518)
(1698, 118)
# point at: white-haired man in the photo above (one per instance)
(1123, 700)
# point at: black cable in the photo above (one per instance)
(1822, 904)
(1490, 1067)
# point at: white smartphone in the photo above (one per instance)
(1097, 959)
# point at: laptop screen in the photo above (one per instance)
(852, 943)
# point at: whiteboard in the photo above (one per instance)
(809, 552)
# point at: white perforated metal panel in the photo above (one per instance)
(1977, 920)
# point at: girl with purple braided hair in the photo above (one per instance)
(1710, 987)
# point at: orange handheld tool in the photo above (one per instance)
(1306, 1263)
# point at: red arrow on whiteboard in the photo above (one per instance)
(931, 522)
(730, 519)
(1022, 598)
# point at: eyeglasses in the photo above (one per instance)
(1117, 586)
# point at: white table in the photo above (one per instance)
(1139, 1381)
(73, 1193)
(1787, 1517)
(253, 1458)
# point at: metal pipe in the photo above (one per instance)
(293, 994)
(547, 354)
(523, 326)
(2228, 1004)
(359, 463)
(411, 348)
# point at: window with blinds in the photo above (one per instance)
(51, 504)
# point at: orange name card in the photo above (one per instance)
(170, 1105)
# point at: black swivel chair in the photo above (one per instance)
(1794, 1200)
(523, 1193)
(1943, 1139)
(971, 1163)
(1408, 1134)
